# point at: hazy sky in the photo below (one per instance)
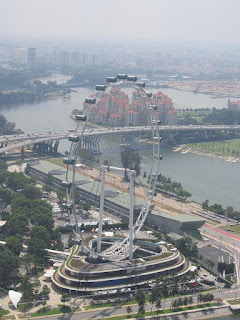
(135, 20)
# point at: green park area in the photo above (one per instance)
(63, 309)
(235, 228)
(3, 313)
(47, 311)
(226, 148)
(160, 312)
(234, 302)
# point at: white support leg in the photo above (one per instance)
(100, 221)
(132, 179)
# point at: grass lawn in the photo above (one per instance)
(233, 301)
(3, 312)
(235, 228)
(154, 313)
(57, 161)
(133, 301)
(227, 148)
(46, 311)
(111, 304)
(10, 317)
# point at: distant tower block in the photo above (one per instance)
(31, 57)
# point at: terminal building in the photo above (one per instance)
(76, 274)
(115, 201)
(176, 226)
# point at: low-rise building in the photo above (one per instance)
(89, 190)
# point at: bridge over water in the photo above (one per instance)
(91, 137)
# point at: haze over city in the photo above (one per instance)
(213, 22)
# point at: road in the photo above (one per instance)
(106, 312)
(30, 139)
(230, 241)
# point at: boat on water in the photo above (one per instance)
(178, 149)
(186, 151)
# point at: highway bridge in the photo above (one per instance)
(93, 135)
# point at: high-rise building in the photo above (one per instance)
(233, 105)
(64, 58)
(31, 57)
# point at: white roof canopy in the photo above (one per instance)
(15, 297)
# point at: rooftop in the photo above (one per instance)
(84, 183)
(178, 217)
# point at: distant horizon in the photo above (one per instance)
(214, 22)
(74, 43)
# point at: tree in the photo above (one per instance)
(3, 164)
(6, 198)
(36, 247)
(86, 155)
(17, 181)
(174, 304)
(32, 193)
(27, 290)
(8, 263)
(86, 206)
(17, 223)
(140, 297)
(48, 187)
(205, 204)
(131, 160)
(61, 193)
(158, 304)
(129, 310)
(190, 300)
(180, 302)
(14, 243)
(40, 232)
(45, 291)
(211, 264)
(165, 292)
(38, 242)
(152, 298)
(3, 176)
(41, 214)
(141, 309)
(230, 268)
(175, 288)
(65, 297)
(27, 262)
(221, 267)
(185, 301)
(105, 163)
(200, 298)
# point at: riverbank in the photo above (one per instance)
(214, 155)
(215, 89)
(184, 150)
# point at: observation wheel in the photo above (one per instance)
(117, 251)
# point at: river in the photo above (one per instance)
(204, 177)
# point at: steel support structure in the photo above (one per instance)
(100, 220)
(120, 250)
(131, 234)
